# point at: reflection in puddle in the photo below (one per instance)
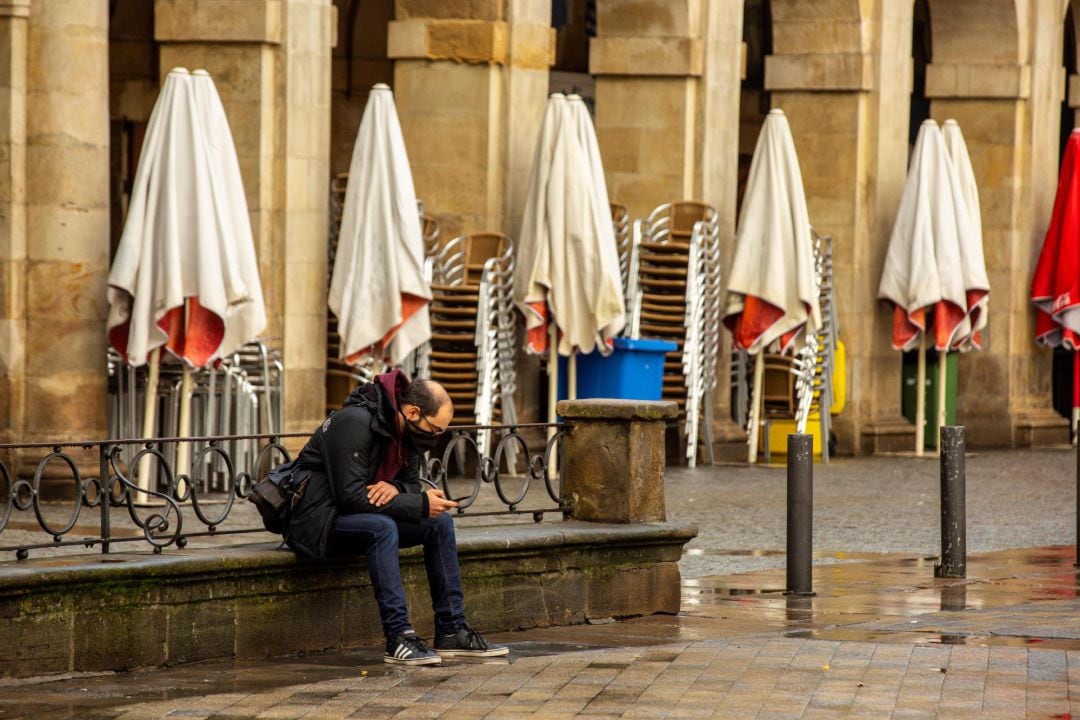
(954, 597)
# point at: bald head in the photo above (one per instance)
(430, 401)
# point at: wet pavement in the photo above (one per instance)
(881, 638)
(1015, 499)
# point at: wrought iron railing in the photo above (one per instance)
(169, 508)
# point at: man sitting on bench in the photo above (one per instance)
(365, 496)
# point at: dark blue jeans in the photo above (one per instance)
(379, 538)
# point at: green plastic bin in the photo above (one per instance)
(907, 394)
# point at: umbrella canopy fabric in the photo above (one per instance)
(1055, 289)
(567, 262)
(586, 134)
(185, 275)
(772, 293)
(378, 290)
(973, 262)
(931, 275)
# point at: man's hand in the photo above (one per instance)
(437, 503)
(381, 493)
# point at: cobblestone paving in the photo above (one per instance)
(745, 678)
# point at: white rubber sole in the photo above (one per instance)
(494, 652)
(412, 661)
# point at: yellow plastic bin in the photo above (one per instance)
(780, 428)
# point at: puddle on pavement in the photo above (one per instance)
(691, 590)
(818, 555)
(933, 638)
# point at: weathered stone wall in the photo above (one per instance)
(470, 81)
(14, 29)
(67, 221)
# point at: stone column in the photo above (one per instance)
(270, 60)
(613, 459)
(470, 83)
(13, 57)
(1007, 101)
(67, 220)
(648, 59)
(843, 76)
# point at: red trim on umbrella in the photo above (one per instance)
(1055, 287)
(410, 305)
(756, 317)
(536, 338)
(196, 341)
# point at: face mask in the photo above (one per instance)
(423, 440)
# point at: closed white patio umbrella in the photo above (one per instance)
(378, 290)
(934, 275)
(185, 276)
(772, 294)
(566, 276)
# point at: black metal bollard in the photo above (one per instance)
(953, 513)
(800, 514)
(1077, 563)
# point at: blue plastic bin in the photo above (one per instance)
(634, 371)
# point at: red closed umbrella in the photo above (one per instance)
(1055, 289)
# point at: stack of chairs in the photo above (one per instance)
(242, 396)
(674, 289)
(473, 328)
(817, 359)
(793, 387)
(620, 220)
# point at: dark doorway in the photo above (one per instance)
(921, 48)
(755, 101)
(1062, 379)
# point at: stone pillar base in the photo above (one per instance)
(613, 459)
(1040, 428)
(888, 436)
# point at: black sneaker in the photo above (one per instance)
(466, 642)
(409, 649)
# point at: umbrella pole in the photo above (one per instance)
(943, 376)
(1076, 396)
(920, 398)
(149, 422)
(183, 449)
(571, 376)
(755, 409)
(553, 387)
(553, 374)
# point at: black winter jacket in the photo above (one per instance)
(341, 458)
